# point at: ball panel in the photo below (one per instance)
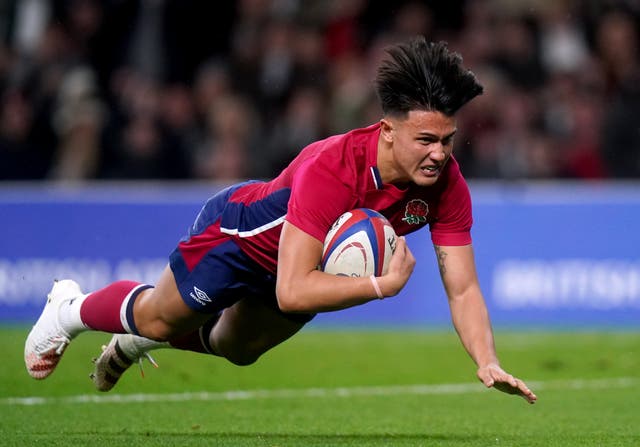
(351, 257)
(390, 239)
(359, 243)
(345, 225)
(377, 227)
(338, 229)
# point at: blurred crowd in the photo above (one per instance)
(223, 90)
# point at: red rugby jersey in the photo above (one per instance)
(335, 175)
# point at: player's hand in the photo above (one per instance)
(400, 269)
(492, 375)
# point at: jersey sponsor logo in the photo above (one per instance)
(200, 296)
(416, 212)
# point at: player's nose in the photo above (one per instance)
(438, 153)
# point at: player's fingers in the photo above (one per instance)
(528, 395)
(501, 376)
(400, 250)
(526, 392)
(486, 378)
(531, 397)
(401, 245)
(403, 259)
(494, 376)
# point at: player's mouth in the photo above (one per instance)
(430, 171)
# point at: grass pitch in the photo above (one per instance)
(335, 388)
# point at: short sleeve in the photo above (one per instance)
(319, 194)
(453, 226)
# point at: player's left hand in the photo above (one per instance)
(492, 375)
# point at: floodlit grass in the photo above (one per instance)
(336, 388)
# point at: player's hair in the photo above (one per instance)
(421, 75)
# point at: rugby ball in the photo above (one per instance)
(359, 243)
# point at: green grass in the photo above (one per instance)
(596, 411)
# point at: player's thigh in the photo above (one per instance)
(161, 313)
(249, 328)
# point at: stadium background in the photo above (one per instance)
(118, 118)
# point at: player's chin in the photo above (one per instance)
(422, 179)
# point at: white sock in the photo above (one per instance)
(69, 316)
(134, 346)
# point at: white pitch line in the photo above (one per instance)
(450, 388)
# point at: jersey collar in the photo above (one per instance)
(372, 155)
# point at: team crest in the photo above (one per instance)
(416, 212)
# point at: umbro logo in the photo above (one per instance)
(200, 296)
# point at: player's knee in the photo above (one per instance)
(243, 354)
(242, 359)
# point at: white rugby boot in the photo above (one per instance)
(121, 352)
(47, 340)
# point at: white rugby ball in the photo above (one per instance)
(359, 243)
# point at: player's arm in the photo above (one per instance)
(301, 287)
(471, 318)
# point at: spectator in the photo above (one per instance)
(618, 46)
(232, 131)
(303, 124)
(162, 66)
(20, 157)
(78, 120)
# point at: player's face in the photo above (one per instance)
(421, 145)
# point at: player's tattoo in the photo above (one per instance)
(441, 255)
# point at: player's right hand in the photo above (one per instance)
(400, 269)
(492, 375)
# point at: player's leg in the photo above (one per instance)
(240, 333)
(124, 350)
(128, 307)
(251, 327)
(122, 307)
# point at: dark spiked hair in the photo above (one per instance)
(421, 75)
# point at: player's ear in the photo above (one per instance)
(386, 129)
